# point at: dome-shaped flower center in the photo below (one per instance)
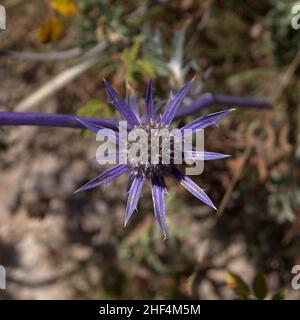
(151, 148)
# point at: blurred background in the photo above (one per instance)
(58, 245)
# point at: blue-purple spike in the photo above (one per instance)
(133, 104)
(158, 197)
(112, 135)
(175, 102)
(149, 102)
(192, 187)
(105, 177)
(133, 197)
(207, 120)
(204, 155)
(121, 105)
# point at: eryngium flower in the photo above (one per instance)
(154, 173)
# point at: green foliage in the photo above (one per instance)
(239, 286)
(259, 286)
(142, 52)
(98, 20)
(280, 294)
(95, 108)
(136, 67)
(258, 289)
(284, 42)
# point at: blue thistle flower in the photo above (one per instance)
(153, 173)
(138, 174)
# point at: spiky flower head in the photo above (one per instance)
(154, 173)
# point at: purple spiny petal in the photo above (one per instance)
(158, 197)
(133, 104)
(207, 120)
(121, 105)
(133, 197)
(175, 102)
(129, 182)
(149, 102)
(192, 187)
(105, 177)
(204, 155)
(94, 127)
